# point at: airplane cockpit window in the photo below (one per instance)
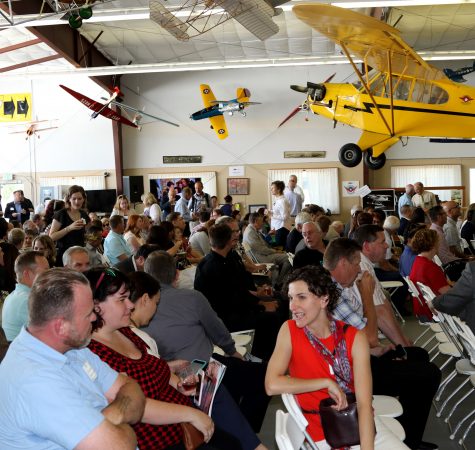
(438, 95)
(426, 92)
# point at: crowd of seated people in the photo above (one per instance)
(143, 317)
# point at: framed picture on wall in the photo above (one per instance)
(238, 186)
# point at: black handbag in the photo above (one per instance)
(340, 428)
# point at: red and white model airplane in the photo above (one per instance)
(104, 110)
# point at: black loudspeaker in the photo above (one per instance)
(133, 188)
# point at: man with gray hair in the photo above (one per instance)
(406, 198)
(294, 194)
(15, 309)
(54, 392)
(76, 258)
(295, 235)
(262, 251)
(314, 249)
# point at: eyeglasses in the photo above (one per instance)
(454, 207)
(105, 272)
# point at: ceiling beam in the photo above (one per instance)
(29, 63)
(70, 45)
(24, 44)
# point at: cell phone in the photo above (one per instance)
(198, 364)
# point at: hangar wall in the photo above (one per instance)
(81, 146)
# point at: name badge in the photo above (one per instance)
(90, 372)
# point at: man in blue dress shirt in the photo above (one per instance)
(55, 393)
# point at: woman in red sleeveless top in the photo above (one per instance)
(312, 347)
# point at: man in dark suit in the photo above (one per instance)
(20, 208)
(135, 263)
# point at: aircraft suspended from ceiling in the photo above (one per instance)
(401, 96)
(104, 110)
(200, 16)
(33, 128)
(214, 110)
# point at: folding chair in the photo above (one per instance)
(294, 410)
(430, 326)
(288, 435)
(392, 287)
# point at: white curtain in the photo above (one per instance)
(433, 175)
(207, 178)
(89, 183)
(320, 186)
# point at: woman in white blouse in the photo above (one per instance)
(280, 213)
(122, 207)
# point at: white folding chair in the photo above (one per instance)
(430, 326)
(287, 433)
(294, 410)
(386, 406)
(392, 287)
(247, 249)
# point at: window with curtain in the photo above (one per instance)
(320, 186)
(87, 182)
(432, 175)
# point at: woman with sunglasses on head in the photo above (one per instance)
(68, 227)
(122, 207)
(168, 404)
(316, 357)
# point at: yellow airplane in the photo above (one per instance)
(398, 93)
(215, 109)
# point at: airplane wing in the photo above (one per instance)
(161, 15)
(219, 126)
(142, 113)
(368, 39)
(254, 15)
(99, 107)
(207, 95)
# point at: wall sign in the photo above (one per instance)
(191, 159)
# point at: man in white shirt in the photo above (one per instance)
(425, 199)
(294, 194)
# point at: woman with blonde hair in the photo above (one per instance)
(132, 232)
(68, 226)
(122, 207)
(152, 209)
(45, 245)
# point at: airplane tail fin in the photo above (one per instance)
(243, 94)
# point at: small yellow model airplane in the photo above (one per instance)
(398, 93)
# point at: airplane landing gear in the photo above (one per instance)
(230, 113)
(243, 113)
(374, 163)
(350, 155)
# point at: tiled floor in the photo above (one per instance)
(437, 430)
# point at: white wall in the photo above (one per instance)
(78, 143)
(254, 139)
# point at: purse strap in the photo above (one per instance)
(338, 359)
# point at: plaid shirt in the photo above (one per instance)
(349, 308)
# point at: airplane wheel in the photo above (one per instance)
(75, 21)
(350, 155)
(372, 162)
(85, 13)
